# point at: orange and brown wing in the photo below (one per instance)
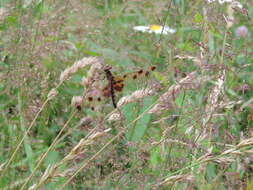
(117, 83)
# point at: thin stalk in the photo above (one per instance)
(105, 146)
(48, 150)
(25, 135)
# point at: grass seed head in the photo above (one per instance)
(52, 94)
(86, 61)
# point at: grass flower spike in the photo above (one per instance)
(157, 29)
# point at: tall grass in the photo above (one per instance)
(187, 126)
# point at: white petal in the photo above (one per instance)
(149, 29)
(169, 30)
(141, 28)
(237, 4)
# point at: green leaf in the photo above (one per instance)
(11, 20)
(176, 2)
(142, 123)
(129, 114)
(155, 156)
(211, 171)
(37, 9)
(180, 99)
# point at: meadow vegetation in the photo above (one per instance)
(187, 125)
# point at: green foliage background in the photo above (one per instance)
(39, 39)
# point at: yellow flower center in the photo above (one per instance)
(154, 27)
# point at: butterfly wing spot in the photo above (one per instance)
(147, 73)
(153, 68)
(90, 99)
(140, 72)
(79, 107)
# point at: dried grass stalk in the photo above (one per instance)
(53, 92)
(225, 157)
(135, 96)
(86, 61)
(115, 117)
(53, 172)
(3, 13)
(212, 102)
(230, 19)
(51, 169)
(196, 60)
(1, 167)
(80, 147)
(166, 99)
(85, 121)
(224, 160)
(205, 157)
(178, 178)
(245, 142)
(139, 94)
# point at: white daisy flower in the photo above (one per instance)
(157, 29)
(233, 2)
(225, 1)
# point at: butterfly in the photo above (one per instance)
(115, 84)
